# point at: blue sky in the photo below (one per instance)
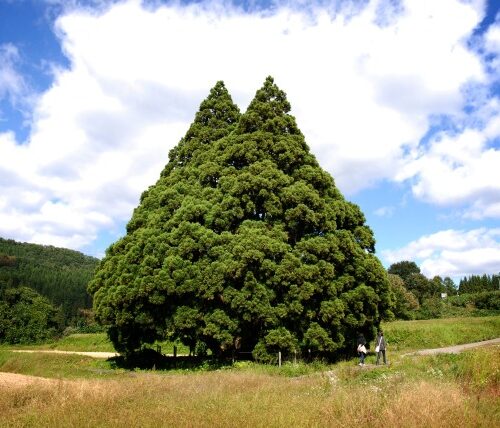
(399, 101)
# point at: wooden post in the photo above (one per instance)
(295, 356)
(175, 351)
(279, 358)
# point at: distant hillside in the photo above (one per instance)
(59, 274)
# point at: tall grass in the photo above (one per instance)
(228, 399)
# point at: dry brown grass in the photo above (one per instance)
(228, 399)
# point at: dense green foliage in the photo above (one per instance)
(482, 300)
(405, 302)
(477, 283)
(243, 243)
(479, 294)
(59, 274)
(464, 305)
(404, 269)
(26, 316)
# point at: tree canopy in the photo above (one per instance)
(26, 316)
(404, 269)
(243, 243)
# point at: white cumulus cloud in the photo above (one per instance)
(454, 253)
(461, 169)
(363, 83)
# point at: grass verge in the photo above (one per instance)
(437, 333)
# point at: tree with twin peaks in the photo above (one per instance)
(243, 243)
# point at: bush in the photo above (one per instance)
(27, 317)
(488, 300)
(431, 308)
(485, 303)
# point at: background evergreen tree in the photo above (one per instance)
(479, 283)
(449, 286)
(404, 269)
(243, 242)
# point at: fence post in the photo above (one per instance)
(279, 358)
(294, 356)
(175, 351)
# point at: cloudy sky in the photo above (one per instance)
(398, 100)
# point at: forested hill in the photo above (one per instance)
(59, 274)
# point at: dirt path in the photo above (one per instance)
(18, 380)
(454, 349)
(8, 380)
(103, 355)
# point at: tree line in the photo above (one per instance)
(41, 286)
(416, 296)
(479, 283)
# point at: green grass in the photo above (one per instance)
(90, 342)
(93, 342)
(437, 333)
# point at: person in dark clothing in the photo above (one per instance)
(380, 346)
(361, 349)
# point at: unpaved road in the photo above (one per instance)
(8, 380)
(455, 349)
(103, 355)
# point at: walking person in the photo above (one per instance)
(380, 346)
(361, 349)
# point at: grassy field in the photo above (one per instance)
(438, 333)
(445, 390)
